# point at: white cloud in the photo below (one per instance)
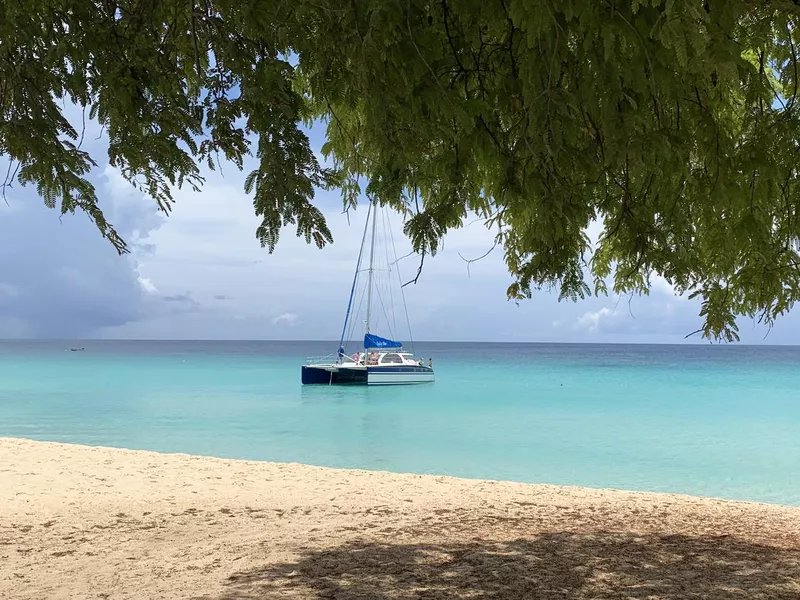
(286, 318)
(147, 285)
(591, 320)
(658, 283)
(593, 232)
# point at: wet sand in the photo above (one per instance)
(88, 522)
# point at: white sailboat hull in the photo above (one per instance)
(399, 375)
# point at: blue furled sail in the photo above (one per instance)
(374, 341)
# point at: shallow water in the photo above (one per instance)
(709, 420)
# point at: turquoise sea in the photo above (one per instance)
(710, 420)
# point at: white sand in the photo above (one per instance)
(87, 522)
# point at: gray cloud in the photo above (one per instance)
(182, 298)
(60, 279)
(201, 274)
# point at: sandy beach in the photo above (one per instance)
(89, 522)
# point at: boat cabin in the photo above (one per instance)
(382, 358)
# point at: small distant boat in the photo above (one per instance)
(77, 349)
(381, 361)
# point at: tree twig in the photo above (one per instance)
(83, 126)
(194, 40)
(402, 257)
(469, 261)
(419, 271)
(9, 178)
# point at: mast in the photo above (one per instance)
(355, 277)
(371, 265)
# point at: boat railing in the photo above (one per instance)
(328, 359)
(321, 360)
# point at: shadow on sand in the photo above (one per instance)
(563, 566)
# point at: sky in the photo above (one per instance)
(200, 273)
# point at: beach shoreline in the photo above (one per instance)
(91, 521)
(438, 476)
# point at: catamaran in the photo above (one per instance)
(381, 360)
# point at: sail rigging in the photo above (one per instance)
(371, 265)
(376, 294)
(355, 279)
(382, 360)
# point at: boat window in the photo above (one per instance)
(392, 358)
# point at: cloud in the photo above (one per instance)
(659, 284)
(200, 273)
(147, 285)
(61, 279)
(67, 282)
(590, 321)
(287, 318)
(186, 298)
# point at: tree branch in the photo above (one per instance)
(419, 270)
(469, 261)
(194, 41)
(9, 178)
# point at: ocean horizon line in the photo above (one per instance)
(443, 342)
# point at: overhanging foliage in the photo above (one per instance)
(673, 122)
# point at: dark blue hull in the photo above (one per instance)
(320, 376)
(372, 375)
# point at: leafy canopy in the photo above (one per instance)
(672, 122)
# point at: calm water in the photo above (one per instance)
(709, 420)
